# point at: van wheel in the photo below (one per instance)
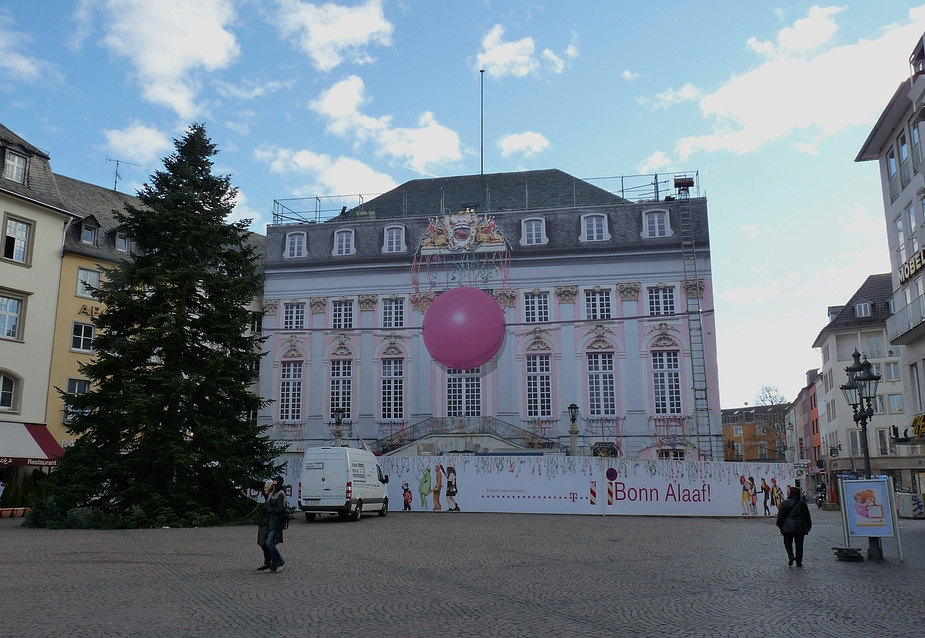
(357, 511)
(385, 508)
(309, 517)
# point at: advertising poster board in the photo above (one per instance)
(869, 509)
(585, 485)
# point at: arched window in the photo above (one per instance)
(10, 390)
(594, 228)
(656, 223)
(393, 240)
(343, 243)
(533, 232)
(295, 245)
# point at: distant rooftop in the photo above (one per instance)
(489, 193)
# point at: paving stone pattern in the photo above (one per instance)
(458, 574)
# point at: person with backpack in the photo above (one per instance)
(277, 512)
(794, 522)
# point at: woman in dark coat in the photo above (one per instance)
(277, 514)
(794, 522)
(263, 525)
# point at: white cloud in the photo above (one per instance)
(14, 64)
(808, 96)
(170, 43)
(655, 162)
(687, 93)
(336, 176)
(331, 33)
(428, 145)
(249, 89)
(629, 75)
(243, 210)
(137, 143)
(527, 144)
(83, 24)
(750, 230)
(810, 32)
(517, 59)
(501, 59)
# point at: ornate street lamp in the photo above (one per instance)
(573, 430)
(338, 426)
(861, 391)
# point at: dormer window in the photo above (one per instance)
(862, 309)
(123, 244)
(88, 234)
(533, 232)
(394, 240)
(594, 228)
(295, 245)
(14, 168)
(343, 242)
(655, 223)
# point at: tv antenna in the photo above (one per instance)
(115, 182)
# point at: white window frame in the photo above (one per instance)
(341, 395)
(539, 385)
(891, 371)
(862, 309)
(87, 276)
(10, 391)
(393, 312)
(666, 382)
(290, 391)
(88, 234)
(533, 231)
(895, 403)
(596, 234)
(294, 315)
(14, 167)
(296, 244)
(75, 387)
(15, 247)
(342, 314)
(12, 320)
(602, 390)
(392, 389)
(82, 335)
(885, 445)
(344, 243)
(737, 430)
(661, 300)
(391, 244)
(536, 307)
(123, 242)
(464, 392)
(900, 240)
(598, 304)
(656, 223)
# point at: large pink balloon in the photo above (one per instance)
(463, 328)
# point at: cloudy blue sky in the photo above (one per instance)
(769, 102)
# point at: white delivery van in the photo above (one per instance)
(344, 481)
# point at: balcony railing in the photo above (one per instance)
(905, 319)
(465, 425)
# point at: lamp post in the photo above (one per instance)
(338, 426)
(861, 391)
(573, 430)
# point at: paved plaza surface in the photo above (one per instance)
(459, 574)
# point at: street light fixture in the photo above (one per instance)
(338, 426)
(573, 430)
(861, 391)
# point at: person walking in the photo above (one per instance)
(263, 527)
(276, 515)
(794, 522)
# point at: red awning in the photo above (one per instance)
(28, 444)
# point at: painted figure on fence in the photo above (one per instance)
(424, 487)
(438, 486)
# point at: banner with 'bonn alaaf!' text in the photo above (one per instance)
(586, 485)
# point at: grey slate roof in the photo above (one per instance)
(877, 289)
(563, 228)
(92, 203)
(493, 192)
(40, 184)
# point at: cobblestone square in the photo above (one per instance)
(458, 574)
